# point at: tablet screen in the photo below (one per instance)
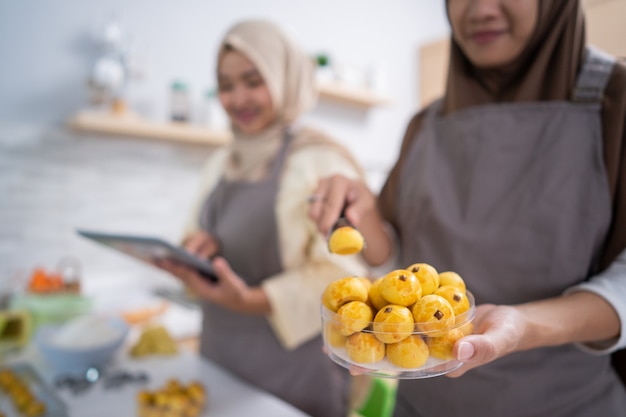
(148, 249)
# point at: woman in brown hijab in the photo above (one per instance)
(516, 180)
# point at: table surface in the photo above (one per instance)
(227, 396)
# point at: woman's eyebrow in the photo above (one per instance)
(251, 73)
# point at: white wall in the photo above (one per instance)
(47, 50)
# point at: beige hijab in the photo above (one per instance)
(289, 75)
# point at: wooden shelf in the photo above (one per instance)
(133, 125)
(355, 96)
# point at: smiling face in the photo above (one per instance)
(492, 33)
(244, 93)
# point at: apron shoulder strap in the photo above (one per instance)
(593, 77)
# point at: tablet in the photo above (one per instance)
(148, 249)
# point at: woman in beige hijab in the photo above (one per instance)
(516, 179)
(261, 319)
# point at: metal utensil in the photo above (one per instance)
(342, 221)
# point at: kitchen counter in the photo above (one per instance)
(59, 181)
(227, 396)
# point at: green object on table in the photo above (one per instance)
(381, 399)
(51, 308)
(15, 329)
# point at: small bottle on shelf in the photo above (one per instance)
(324, 72)
(180, 105)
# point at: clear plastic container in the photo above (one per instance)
(422, 352)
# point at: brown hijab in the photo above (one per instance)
(545, 70)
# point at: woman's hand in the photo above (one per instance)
(577, 317)
(230, 291)
(497, 332)
(332, 194)
(202, 244)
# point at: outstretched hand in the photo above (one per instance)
(498, 331)
(336, 192)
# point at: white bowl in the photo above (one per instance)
(81, 356)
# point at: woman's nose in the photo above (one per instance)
(240, 96)
(481, 10)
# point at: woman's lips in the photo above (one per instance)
(486, 36)
(246, 116)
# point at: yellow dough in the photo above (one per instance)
(411, 352)
(467, 328)
(427, 276)
(451, 278)
(433, 314)
(375, 297)
(441, 347)
(366, 282)
(393, 323)
(354, 317)
(365, 348)
(346, 240)
(456, 297)
(344, 290)
(332, 335)
(400, 287)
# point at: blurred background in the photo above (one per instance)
(68, 59)
(50, 49)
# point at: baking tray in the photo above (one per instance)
(54, 405)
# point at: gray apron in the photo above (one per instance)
(515, 198)
(242, 216)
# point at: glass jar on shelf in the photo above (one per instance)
(180, 104)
